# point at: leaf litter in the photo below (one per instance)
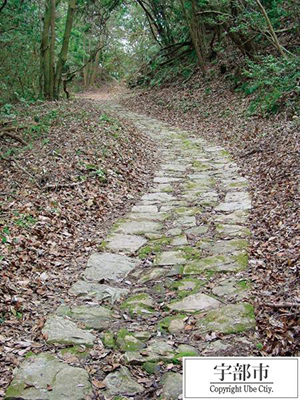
(85, 169)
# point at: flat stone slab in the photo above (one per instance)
(202, 179)
(195, 302)
(186, 221)
(170, 258)
(234, 206)
(145, 209)
(166, 179)
(176, 325)
(63, 331)
(208, 199)
(213, 149)
(158, 197)
(224, 246)
(188, 284)
(96, 291)
(239, 197)
(235, 346)
(93, 317)
(172, 386)
(122, 383)
(126, 341)
(197, 230)
(174, 167)
(158, 350)
(39, 373)
(236, 231)
(139, 304)
(154, 273)
(159, 216)
(125, 243)
(174, 232)
(179, 241)
(233, 318)
(108, 266)
(218, 263)
(139, 227)
(235, 218)
(231, 287)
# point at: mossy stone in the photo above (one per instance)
(233, 318)
(151, 368)
(164, 324)
(139, 304)
(126, 341)
(109, 340)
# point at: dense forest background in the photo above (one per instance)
(50, 45)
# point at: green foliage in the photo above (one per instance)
(275, 81)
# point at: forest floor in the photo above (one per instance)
(76, 186)
(81, 170)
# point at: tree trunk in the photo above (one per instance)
(45, 51)
(52, 48)
(270, 26)
(195, 34)
(62, 58)
(95, 68)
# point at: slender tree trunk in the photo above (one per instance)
(195, 34)
(52, 48)
(95, 68)
(62, 58)
(45, 51)
(270, 26)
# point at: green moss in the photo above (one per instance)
(137, 303)
(168, 189)
(103, 246)
(151, 367)
(238, 184)
(181, 210)
(75, 351)
(240, 244)
(29, 354)
(178, 285)
(242, 285)
(191, 186)
(178, 358)
(259, 346)
(209, 274)
(164, 324)
(187, 144)
(191, 253)
(15, 391)
(153, 247)
(200, 166)
(188, 210)
(117, 224)
(242, 260)
(145, 252)
(224, 153)
(249, 310)
(127, 342)
(109, 340)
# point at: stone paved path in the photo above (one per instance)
(169, 281)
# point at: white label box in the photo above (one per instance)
(240, 377)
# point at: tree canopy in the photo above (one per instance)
(48, 44)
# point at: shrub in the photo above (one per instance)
(275, 81)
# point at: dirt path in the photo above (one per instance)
(170, 280)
